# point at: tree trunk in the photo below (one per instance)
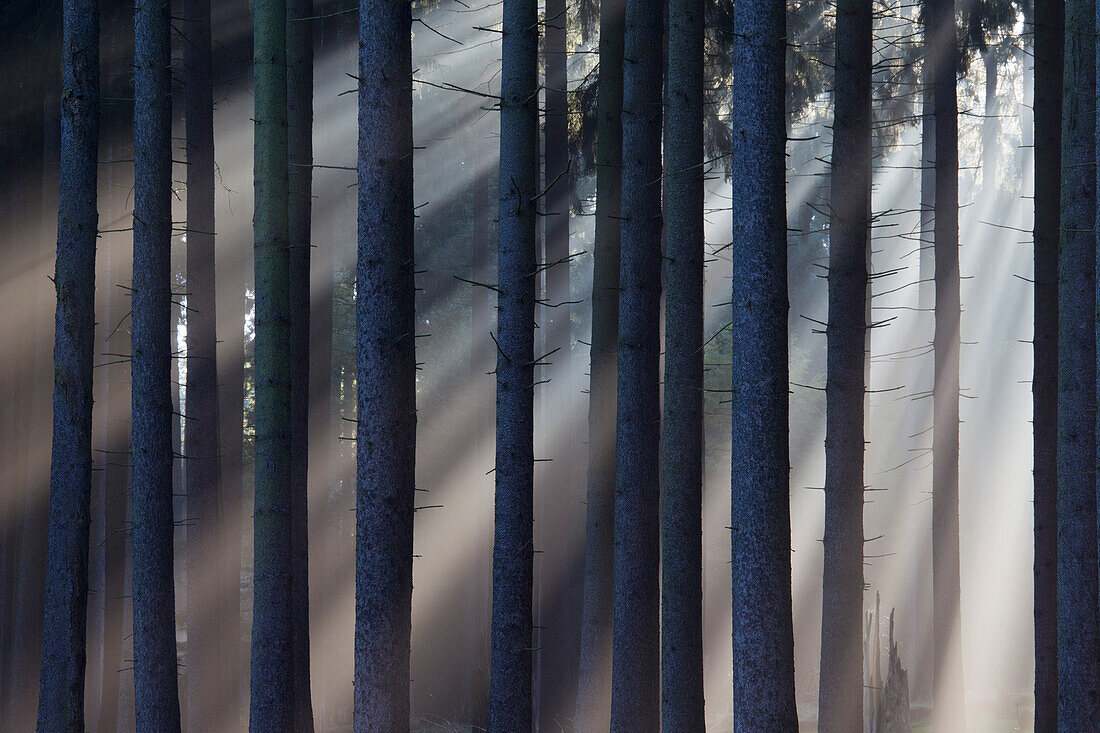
(510, 705)
(299, 51)
(386, 408)
(926, 256)
(1048, 50)
(594, 680)
(272, 703)
(61, 695)
(1078, 646)
(763, 638)
(207, 628)
(155, 686)
(840, 693)
(682, 476)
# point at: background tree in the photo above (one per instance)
(272, 687)
(840, 696)
(763, 640)
(299, 49)
(385, 327)
(1078, 651)
(594, 678)
(682, 445)
(61, 695)
(156, 693)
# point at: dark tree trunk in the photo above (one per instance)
(594, 683)
(155, 686)
(682, 476)
(763, 637)
(207, 628)
(510, 705)
(299, 53)
(61, 694)
(635, 673)
(1078, 645)
(272, 703)
(1048, 50)
(926, 258)
(386, 358)
(840, 693)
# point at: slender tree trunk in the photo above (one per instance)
(1048, 50)
(155, 686)
(61, 695)
(510, 704)
(206, 626)
(840, 696)
(947, 672)
(926, 284)
(299, 50)
(635, 683)
(561, 618)
(1078, 646)
(272, 703)
(682, 476)
(763, 637)
(594, 683)
(385, 325)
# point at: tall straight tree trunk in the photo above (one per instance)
(386, 410)
(207, 628)
(763, 637)
(562, 609)
(272, 699)
(510, 705)
(61, 693)
(947, 671)
(682, 470)
(155, 686)
(1048, 50)
(635, 667)
(840, 692)
(926, 256)
(594, 680)
(1078, 645)
(299, 52)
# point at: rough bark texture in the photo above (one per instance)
(682, 446)
(594, 681)
(840, 691)
(207, 629)
(61, 693)
(386, 323)
(155, 686)
(635, 667)
(510, 705)
(299, 60)
(1078, 645)
(947, 670)
(272, 700)
(763, 637)
(1048, 49)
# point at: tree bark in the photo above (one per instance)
(1078, 644)
(61, 693)
(272, 688)
(510, 704)
(299, 51)
(682, 447)
(386, 359)
(155, 686)
(1048, 50)
(594, 679)
(763, 638)
(840, 692)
